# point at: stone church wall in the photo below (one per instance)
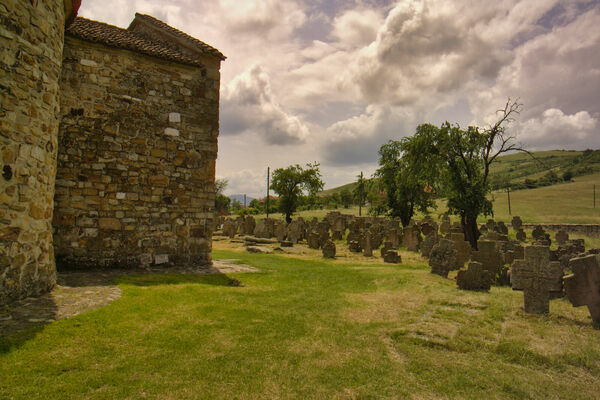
(136, 163)
(31, 45)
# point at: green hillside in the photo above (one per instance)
(521, 171)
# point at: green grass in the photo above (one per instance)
(307, 329)
(565, 203)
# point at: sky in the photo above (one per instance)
(332, 80)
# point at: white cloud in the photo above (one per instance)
(554, 129)
(248, 105)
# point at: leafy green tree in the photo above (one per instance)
(289, 183)
(221, 201)
(459, 161)
(360, 192)
(405, 184)
(345, 197)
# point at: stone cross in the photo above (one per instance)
(536, 276)
(411, 238)
(583, 286)
(329, 249)
(489, 256)
(443, 258)
(516, 223)
(474, 278)
(462, 247)
(561, 237)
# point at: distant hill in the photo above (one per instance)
(521, 171)
(240, 198)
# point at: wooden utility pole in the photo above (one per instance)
(268, 184)
(244, 200)
(360, 195)
(594, 196)
(508, 193)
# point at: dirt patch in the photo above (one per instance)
(77, 292)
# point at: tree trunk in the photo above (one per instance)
(469, 225)
(288, 217)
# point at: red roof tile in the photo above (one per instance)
(110, 35)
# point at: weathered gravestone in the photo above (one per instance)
(248, 225)
(445, 226)
(516, 223)
(367, 245)
(490, 225)
(339, 228)
(387, 246)
(536, 276)
(427, 245)
(442, 258)
(501, 228)
(280, 231)
(474, 278)
(354, 246)
(462, 247)
(392, 257)
(295, 231)
(490, 257)
(521, 235)
(313, 240)
(329, 249)
(229, 228)
(561, 237)
(411, 238)
(538, 233)
(393, 235)
(583, 286)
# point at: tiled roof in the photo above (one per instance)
(99, 32)
(200, 45)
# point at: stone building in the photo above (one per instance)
(119, 127)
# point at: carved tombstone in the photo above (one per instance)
(329, 249)
(427, 245)
(411, 238)
(475, 277)
(561, 237)
(392, 257)
(249, 225)
(445, 226)
(387, 246)
(367, 245)
(536, 276)
(280, 231)
(295, 231)
(521, 235)
(354, 246)
(313, 240)
(583, 286)
(516, 223)
(501, 228)
(393, 235)
(490, 257)
(463, 249)
(229, 228)
(538, 233)
(339, 228)
(443, 258)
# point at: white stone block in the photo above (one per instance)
(171, 132)
(88, 63)
(161, 258)
(120, 195)
(174, 117)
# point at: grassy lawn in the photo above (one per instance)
(307, 328)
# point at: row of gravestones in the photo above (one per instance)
(539, 272)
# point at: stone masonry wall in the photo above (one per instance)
(136, 165)
(31, 44)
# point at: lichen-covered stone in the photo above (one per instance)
(31, 47)
(122, 171)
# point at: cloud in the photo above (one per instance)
(436, 48)
(248, 105)
(357, 27)
(246, 181)
(555, 129)
(357, 140)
